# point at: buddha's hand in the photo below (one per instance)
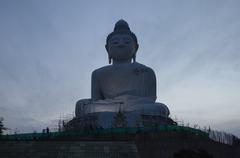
(81, 108)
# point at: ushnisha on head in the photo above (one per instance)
(122, 43)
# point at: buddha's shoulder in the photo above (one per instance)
(141, 66)
(142, 69)
(132, 67)
(102, 69)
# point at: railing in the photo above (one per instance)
(93, 132)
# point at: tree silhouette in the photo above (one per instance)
(119, 120)
(1, 126)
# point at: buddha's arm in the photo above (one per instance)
(151, 88)
(96, 93)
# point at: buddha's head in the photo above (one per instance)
(121, 44)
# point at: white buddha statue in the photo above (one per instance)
(125, 83)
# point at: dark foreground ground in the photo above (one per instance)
(143, 145)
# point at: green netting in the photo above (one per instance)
(129, 130)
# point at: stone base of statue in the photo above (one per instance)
(89, 121)
(123, 111)
(130, 119)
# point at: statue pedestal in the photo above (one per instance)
(132, 119)
(102, 114)
(133, 111)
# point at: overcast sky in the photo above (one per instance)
(49, 48)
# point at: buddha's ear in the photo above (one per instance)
(109, 59)
(136, 48)
(134, 57)
(106, 46)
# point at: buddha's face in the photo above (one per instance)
(121, 47)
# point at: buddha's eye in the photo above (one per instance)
(115, 42)
(127, 42)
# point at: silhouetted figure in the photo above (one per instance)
(47, 130)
